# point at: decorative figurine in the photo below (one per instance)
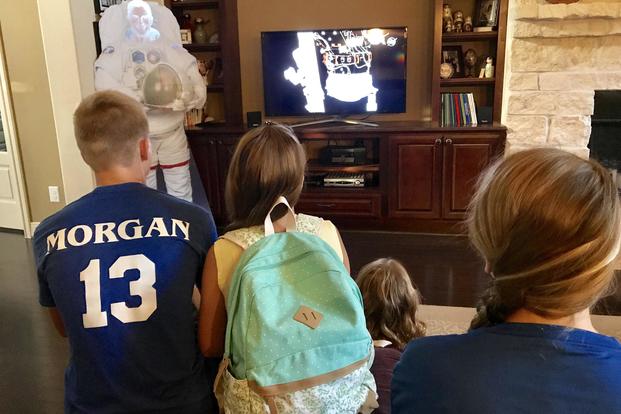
(489, 68)
(446, 70)
(458, 21)
(470, 62)
(187, 23)
(447, 18)
(468, 24)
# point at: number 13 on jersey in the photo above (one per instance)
(95, 317)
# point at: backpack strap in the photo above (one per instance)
(248, 236)
(290, 224)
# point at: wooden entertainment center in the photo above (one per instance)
(418, 176)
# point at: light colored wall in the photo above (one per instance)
(256, 16)
(67, 33)
(82, 16)
(30, 94)
(49, 47)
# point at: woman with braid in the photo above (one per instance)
(548, 225)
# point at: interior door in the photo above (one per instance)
(11, 215)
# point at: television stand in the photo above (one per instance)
(333, 120)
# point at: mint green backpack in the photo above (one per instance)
(296, 337)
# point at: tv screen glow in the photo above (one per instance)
(334, 71)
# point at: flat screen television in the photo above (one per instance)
(334, 71)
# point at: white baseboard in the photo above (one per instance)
(33, 227)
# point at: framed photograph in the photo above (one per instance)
(186, 36)
(102, 5)
(453, 56)
(487, 13)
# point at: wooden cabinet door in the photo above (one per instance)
(226, 148)
(204, 151)
(415, 169)
(465, 157)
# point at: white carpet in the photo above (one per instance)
(442, 320)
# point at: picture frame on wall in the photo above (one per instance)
(102, 5)
(487, 13)
(453, 55)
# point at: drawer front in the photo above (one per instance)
(340, 206)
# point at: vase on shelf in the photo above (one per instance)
(200, 34)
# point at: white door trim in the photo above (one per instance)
(12, 140)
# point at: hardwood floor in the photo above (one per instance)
(445, 268)
(33, 357)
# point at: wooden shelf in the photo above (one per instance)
(315, 166)
(215, 88)
(468, 36)
(194, 4)
(202, 47)
(467, 82)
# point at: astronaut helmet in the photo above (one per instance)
(162, 86)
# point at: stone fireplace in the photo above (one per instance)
(559, 55)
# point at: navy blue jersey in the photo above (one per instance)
(120, 265)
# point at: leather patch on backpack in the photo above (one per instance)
(308, 317)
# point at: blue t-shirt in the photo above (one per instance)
(510, 368)
(120, 265)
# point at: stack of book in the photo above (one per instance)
(193, 117)
(458, 109)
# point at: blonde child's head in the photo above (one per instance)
(390, 302)
(268, 162)
(108, 126)
(547, 224)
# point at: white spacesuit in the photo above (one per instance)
(151, 66)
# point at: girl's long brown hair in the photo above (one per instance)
(548, 223)
(268, 162)
(390, 302)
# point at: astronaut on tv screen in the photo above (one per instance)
(142, 57)
(341, 60)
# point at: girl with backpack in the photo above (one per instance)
(277, 298)
(390, 305)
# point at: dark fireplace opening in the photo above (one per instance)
(605, 142)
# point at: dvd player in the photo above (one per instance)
(343, 180)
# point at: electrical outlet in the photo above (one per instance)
(54, 194)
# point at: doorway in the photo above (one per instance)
(13, 210)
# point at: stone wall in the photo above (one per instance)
(558, 55)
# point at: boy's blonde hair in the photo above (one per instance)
(268, 162)
(390, 302)
(548, 223)
(107, 126)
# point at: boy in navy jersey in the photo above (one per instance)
(117, 270)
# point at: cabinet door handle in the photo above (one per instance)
(438, 141)
(325, 205)
(449, 141)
